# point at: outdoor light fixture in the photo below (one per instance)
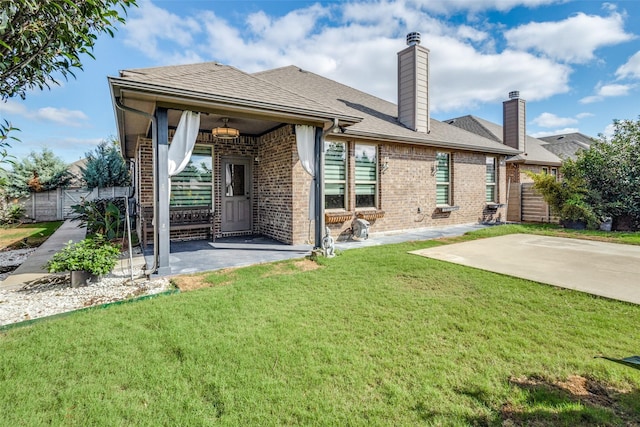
(225, 132)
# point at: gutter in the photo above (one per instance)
(210, 100)
(154, 141)
(437, 144)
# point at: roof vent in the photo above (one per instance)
(514, 94)
(413, 38)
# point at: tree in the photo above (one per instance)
(105, 166)
(37, 172)
(40, 39)
(610, 170)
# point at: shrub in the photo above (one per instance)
(11, 213)
(102, 216)
(94, 255)
(566, 198)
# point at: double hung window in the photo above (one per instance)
(366, 175)
(443, 179)
(491, 180)
(194, 185)
(335, 175)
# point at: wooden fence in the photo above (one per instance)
(527, 205)
(56, 204)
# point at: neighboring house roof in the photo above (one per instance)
(534, 150)
(379, 117)
(74, 169)
(566, 146)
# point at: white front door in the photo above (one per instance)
(236, 194)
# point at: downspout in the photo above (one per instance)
(319, 182)
(154, 141)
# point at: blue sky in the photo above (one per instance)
(577, 63)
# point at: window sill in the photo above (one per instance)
(370, 215)
(447, 208)
(494, 206)
(337, 217)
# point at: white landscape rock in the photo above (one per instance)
(53, 294)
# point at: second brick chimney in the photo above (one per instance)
(514, 119)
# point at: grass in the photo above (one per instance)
(27, 235)
(375, 336)
(628, 238)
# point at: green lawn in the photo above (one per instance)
(375, 336)
(628, 238)
(13, 237)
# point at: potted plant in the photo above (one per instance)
(89, 257)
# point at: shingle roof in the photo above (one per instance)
(534, 150)
(224, 82)
(566, 146)
(379, 116)
(563, 137)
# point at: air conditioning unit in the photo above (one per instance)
(360, 228)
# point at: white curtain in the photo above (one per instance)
(305, 141)
(183, 142)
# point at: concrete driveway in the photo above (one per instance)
(605, 269)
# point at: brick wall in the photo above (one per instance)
(276, 195)
(407, 189)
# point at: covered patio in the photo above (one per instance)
(201, 255)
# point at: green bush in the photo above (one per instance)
(566, 198)
(102, 216)
(94, 255)
(11, 213)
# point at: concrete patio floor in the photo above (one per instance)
(201, 255)
(609, 270)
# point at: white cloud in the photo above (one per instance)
(542, 134)
(149, 27)
(61, 116)
(631, 68)
(609, 130)
(12, 107)
(450, 6)
(614, 90)
(607, 91)
(572, 40)
(591, 99)
(550, 120)
(584, 115)
(361, 51)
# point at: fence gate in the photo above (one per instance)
(527, 205)
(73, 196)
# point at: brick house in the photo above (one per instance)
(390, 164)
(536, 155)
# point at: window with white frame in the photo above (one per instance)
(194, 185)
(335, 175)
(366, 175)
(491, 178)
(443, 178)
(554, 172)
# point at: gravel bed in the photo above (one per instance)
(53, 294)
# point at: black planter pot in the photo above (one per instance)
(574, 225)
(81, 278)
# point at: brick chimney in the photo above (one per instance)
(514, 118)
(413, 85)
